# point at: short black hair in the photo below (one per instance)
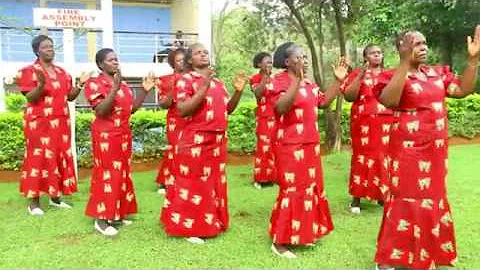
(36, 42)
(172, 54)
(100, 56)
(258, 58)
(282, 53)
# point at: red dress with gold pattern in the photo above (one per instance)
(112, 195)
(264, 168)
(300, 214)
(417, 228)
(48, 166)
(174, 125)
(370, 124)
(196, 198)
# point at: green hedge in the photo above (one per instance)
(15, 102)
(149, 136)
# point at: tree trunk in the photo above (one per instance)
(329, 116)
(335, 139)
(308, 36)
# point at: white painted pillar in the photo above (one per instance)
(2, 92)
(2, 89)
(69, 64)
(107, 34)
(205, 23)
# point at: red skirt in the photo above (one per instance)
(48, 166)
(165, 168)
(111, 191)
(370, 138)
(300, 214)
(196, 200)
(264, 168)
(417, 234)
(417, 229)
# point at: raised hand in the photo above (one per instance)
(40, 79)
(405, 48)
(266, 70)
(473, 45)
(298, 69)
(341, 69)
(117, 79)
(148, 82)
(239, 81)
(84, 76)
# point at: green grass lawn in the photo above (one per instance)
(66, 238)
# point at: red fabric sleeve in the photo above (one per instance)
(94, 92)
(184, 88)
(255, 80)
(26, 79)
(349, 79)
(320, 96)
(162, 84)
(382, 81)
(450, 80)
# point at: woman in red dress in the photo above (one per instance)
(370, 125)
(112, 197)
(417, 228)
(264, 168)
(165, 85)
(48, 166)
(300, 214)
(196, 203)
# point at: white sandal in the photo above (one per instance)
(37, 211)
(195, 240)
(286, 254)
(61, 204)
(354, 209)
(109, 231)
(377, 268)
(126, 222)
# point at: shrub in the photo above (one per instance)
(148, 128)
(15, 102)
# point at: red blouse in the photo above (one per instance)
(366, 102)
(299, 124)
(56, 90)
(264, 108)
(212, 114)
(96, 90)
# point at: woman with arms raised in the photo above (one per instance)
(417, 227)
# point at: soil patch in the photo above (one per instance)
(232, 159)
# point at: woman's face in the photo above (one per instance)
(45, 51)
(110, 63)
(200, 57)
(179, 65)
(374, 56)
(297, 57)
(266, 63)
(420, 47)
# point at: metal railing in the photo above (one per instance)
(137, 47)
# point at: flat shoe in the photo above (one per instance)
(195, 240)
(37, 211)
(286, 254)
(61, 204)
(109, 231)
